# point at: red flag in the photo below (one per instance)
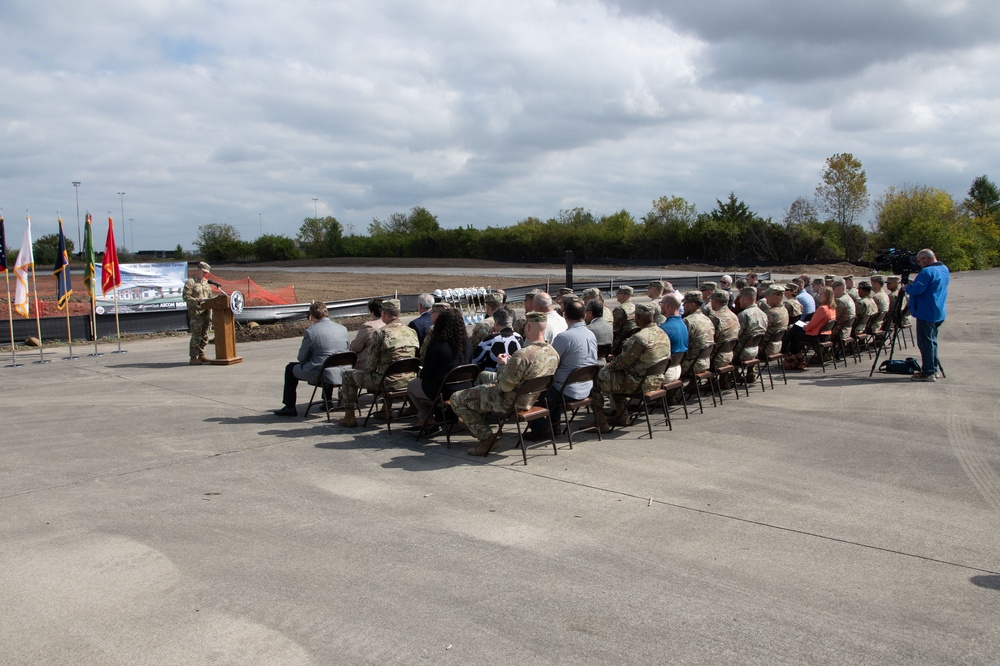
(111, 275)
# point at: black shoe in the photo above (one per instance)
(286, 411)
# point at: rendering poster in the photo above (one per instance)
(145, 288)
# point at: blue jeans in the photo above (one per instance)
(927, 332)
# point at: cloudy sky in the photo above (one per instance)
(245, 111)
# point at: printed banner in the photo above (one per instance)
(145, 288)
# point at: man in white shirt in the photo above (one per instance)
(556, 324)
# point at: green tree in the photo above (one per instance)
(270, 247)
(983, 199)
(220, 242)
(46, 247)
(667, 227)
(179, 253)
(913, 217)
(321, 237)
(843, 195)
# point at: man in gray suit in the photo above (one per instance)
(322, 338)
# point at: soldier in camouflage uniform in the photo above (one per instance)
(484, 329)
(196, 290)
(777, 317)
(496, 392)
(726, 324)
(892, 285)
(392, 342)
(706, 297)
(881, 300)
(866, 308)
(852, 291)
(647, 346)
(701, 333)
(753, 322)
(529, 306)
(624, 318)
(845, 311)
(791, 303)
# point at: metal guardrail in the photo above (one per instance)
(54, 328)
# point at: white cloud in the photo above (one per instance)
(483, 112)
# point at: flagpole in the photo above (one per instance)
(93, 321)
(64, 290)
(69, 338)
(118, 329)
(38, 319)
(10, 317)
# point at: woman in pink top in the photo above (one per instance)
(807, 335)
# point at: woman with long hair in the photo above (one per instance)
(807, 335)
(447, 349)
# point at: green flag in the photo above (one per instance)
(88, 259)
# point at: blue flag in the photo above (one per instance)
(61, 270)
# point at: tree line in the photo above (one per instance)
(825, 227)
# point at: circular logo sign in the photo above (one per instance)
(236, 302)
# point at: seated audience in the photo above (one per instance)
(323, 338)
(447, 349)
(501, 340)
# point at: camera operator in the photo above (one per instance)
(928, 292)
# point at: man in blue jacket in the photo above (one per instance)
(927, 293)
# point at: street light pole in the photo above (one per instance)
(122, 195)
(315, 209)
(131, 225)
(79, 238)
(260, 217)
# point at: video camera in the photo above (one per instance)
(898, 261)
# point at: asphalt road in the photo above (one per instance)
(157, 513)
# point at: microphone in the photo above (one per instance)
(214, 283)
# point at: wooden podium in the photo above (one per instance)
(225, 330)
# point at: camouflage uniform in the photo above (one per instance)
(390, 343)
(727, 327)
(624, 324)
(701, 333)
(753, 322)
(641, 350)
(481, 331)
(865, 310)
(472, 405)
(845, 312)
(199, 316)
(793, 308)
(777, 320)
(881, 300)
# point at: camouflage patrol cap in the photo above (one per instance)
(708, 286)
(494, 298)
(792, 287)
(391, 305)
(848, 277)
(748, 291)
(440, 307)
(565, 291)
(720, 295)
(593, 292)
(865, 284)
(658, 284)
(877, 279)
(838, 283)
(828, 278)
(774, 291)
(892, 278)
(647, 309)
(625, 289)
(536, 317)
(693, 297)
(204, 266)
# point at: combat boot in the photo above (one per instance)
(195, 361)
(484, 446)
(349, 420)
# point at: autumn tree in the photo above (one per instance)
(843, 196)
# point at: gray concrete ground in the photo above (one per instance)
(157, 513)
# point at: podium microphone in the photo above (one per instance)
(214, 283)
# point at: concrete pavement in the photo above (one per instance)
(157, 513)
